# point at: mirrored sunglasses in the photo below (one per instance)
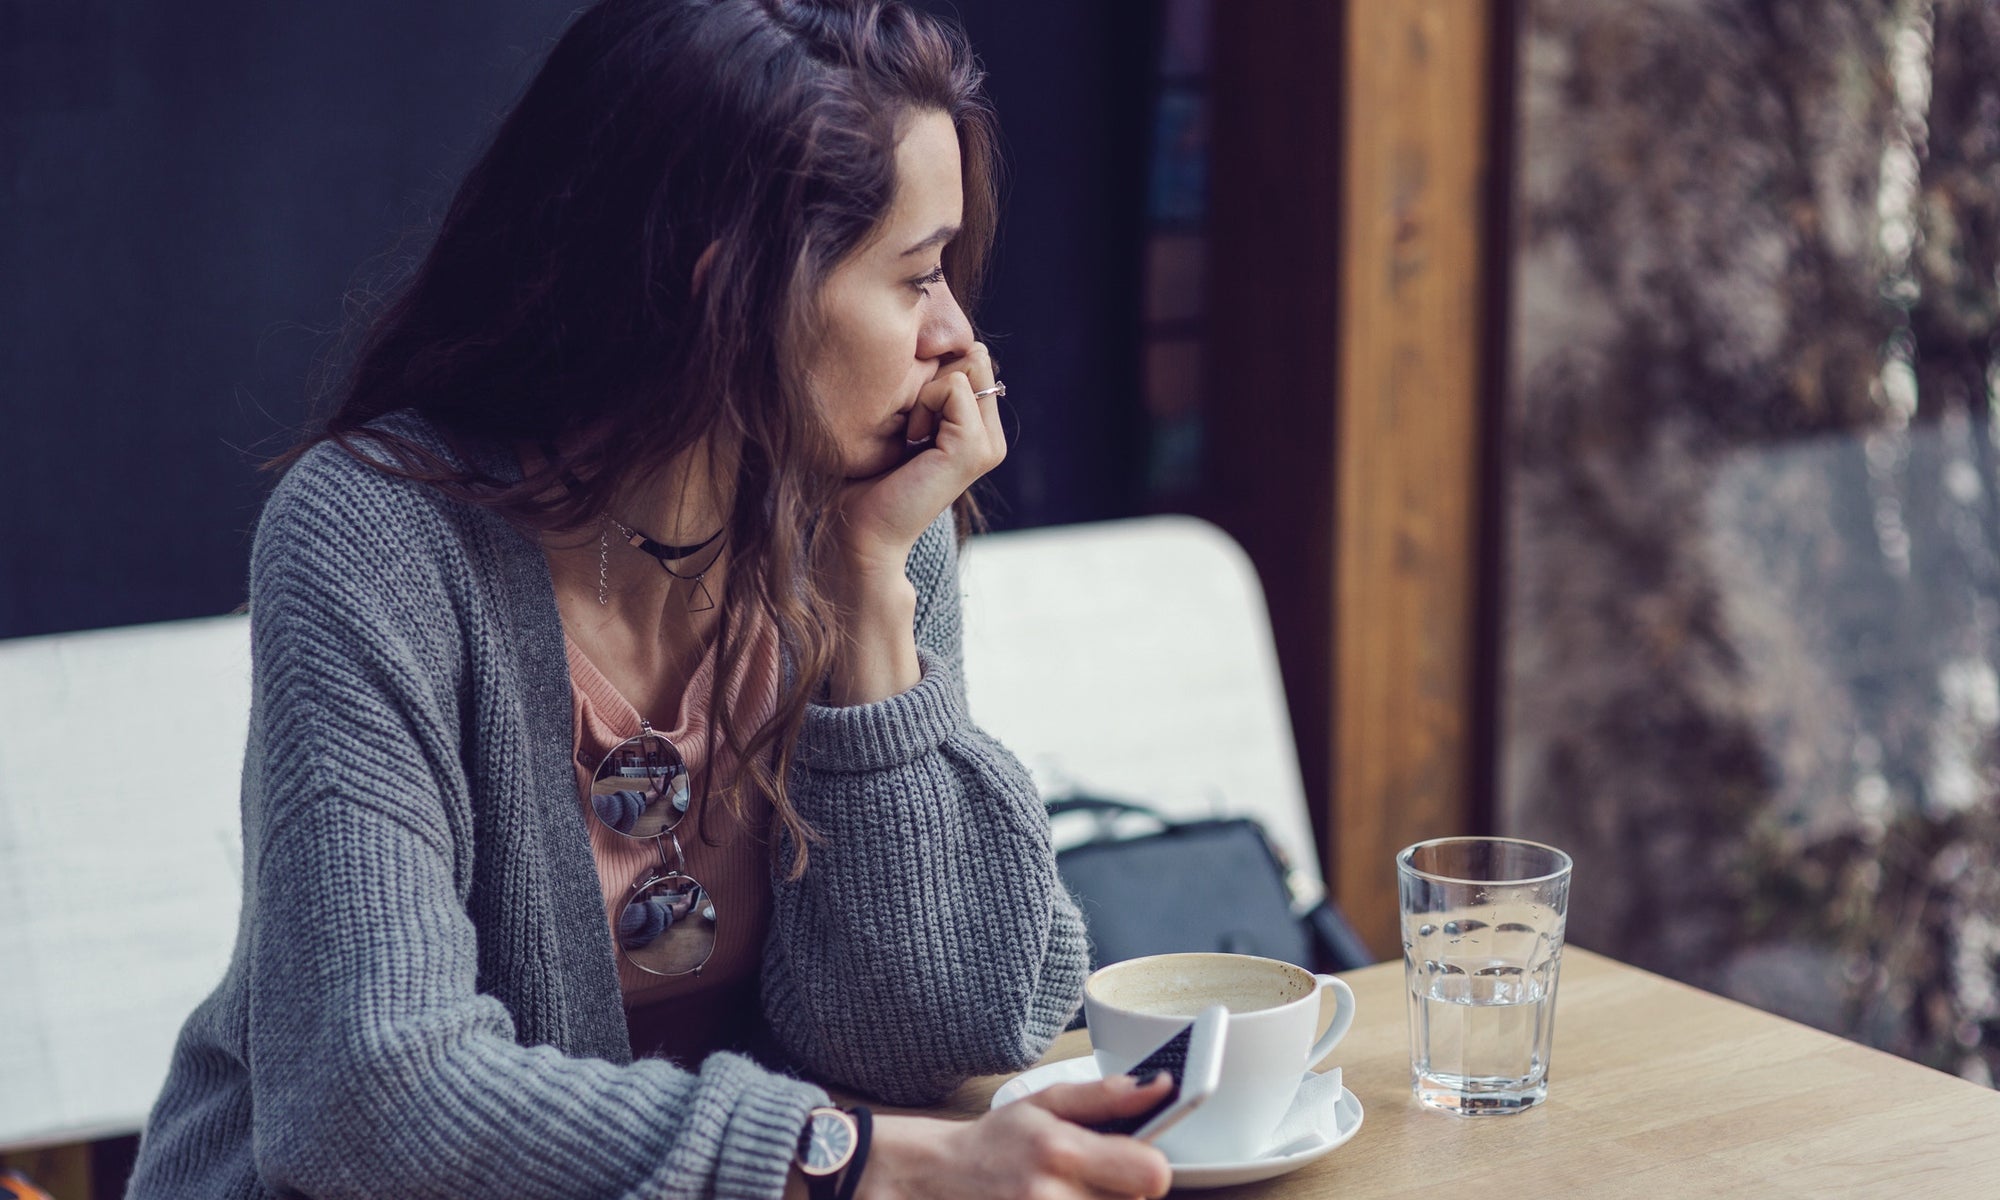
(666, 925)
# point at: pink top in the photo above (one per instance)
(687, 1016)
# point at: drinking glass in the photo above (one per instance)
(1482, 944)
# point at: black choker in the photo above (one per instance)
(700, 600)
(661, 550)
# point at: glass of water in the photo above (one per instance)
(1482, 942)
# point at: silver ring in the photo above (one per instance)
(998, 389)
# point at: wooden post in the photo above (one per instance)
(1411, 332)
(1349, 253)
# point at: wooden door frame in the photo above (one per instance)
(1356, 359)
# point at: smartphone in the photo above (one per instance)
(1192, 1058)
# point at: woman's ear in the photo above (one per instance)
(701, 266)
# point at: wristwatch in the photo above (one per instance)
(833, 1149)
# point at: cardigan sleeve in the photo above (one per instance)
(378, 1065)
(930, 938)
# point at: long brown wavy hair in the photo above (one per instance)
(558, 306)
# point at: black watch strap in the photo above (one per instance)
(850, 1178)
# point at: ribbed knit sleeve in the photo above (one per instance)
(930, 938)
(379, 1063)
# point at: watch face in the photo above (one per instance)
(829, 1142)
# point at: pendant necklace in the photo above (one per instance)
(699, 600)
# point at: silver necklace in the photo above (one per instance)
(699, 599)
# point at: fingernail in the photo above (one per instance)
(1147, 1078)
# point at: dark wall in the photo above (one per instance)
(190, 190)
(1072, 80)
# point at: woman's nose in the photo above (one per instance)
(947, 332)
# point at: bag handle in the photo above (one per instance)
(1107, 812)
(1101, 805)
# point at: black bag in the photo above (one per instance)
(1215, 884)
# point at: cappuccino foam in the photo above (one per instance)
(1183, 985)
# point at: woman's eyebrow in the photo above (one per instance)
(944, 234)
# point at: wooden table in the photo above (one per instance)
(1657, 1090)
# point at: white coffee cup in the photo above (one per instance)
(1274, 1007)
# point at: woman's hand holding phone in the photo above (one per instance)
(1191, 1060)
(1038, 1146)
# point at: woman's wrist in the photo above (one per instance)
(877, 656)
(906, 1151)
(901, 1149)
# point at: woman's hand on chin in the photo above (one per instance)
(1034, 1147)
(883, 516)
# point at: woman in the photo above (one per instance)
(607, 712)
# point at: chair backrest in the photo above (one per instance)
(1134, 659)
(120, 860)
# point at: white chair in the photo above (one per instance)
(120, 856)
(1133, 659)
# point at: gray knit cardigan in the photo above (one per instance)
(422, 999)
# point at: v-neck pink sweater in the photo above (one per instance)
(685, 1017)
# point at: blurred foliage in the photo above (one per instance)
(1753, 657)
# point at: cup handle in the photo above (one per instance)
(1343, 1017)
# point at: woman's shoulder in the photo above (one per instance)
(350, 490)
(338, 514)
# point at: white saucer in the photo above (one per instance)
(1346, 1119)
